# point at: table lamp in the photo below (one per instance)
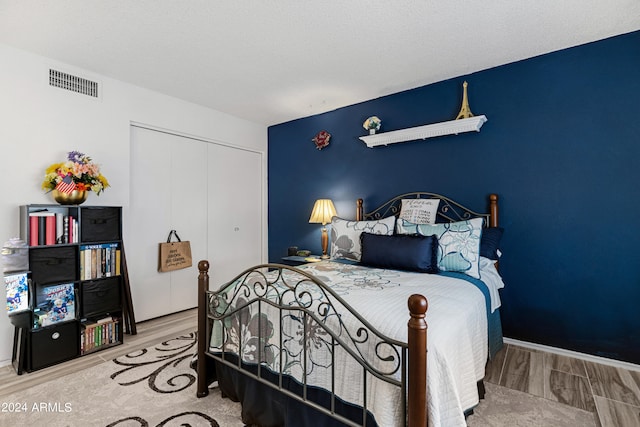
(323, 211)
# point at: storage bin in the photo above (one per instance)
(15, 255)
(55, 264)
(100, 296)
(100, 224)
(54, 344)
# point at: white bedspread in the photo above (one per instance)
(457, 340)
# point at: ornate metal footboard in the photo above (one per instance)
(282, 322)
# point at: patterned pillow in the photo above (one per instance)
(419, 211)
(458, 243)
(345, 235)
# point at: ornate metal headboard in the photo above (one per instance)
(448, 210)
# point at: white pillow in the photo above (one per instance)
(458, 243)
(345, 235)
(419, 211)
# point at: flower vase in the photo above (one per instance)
(372, 131)
(76, 197)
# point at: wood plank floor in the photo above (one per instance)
(612, 393)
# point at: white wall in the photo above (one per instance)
(39, 124)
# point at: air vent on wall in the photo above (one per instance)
(73, 83)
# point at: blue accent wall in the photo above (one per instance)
(561, 148)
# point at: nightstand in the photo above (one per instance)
(295, 260)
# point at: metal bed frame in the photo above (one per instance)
(307, 296)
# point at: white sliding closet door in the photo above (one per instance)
(235, 211)
(211, 194)
(168, 175)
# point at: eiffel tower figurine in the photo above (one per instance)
(465, 111)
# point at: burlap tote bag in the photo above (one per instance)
(174, 255)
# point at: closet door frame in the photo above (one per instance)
(184, 276)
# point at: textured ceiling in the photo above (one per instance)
(274, 61)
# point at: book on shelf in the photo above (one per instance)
(117, 262)
(59, 227)
(75, 231)
(105, 320)
(98, 261)
(50, 228)
(71, 229)
(95, 334)
(42, 230)
(34, 229)
(94, 263)
(17, 288)
(54, 304)
(38, 222)
(85, 335)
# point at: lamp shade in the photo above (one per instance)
(323, 211)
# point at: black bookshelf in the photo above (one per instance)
(79, 292)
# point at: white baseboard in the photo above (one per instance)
(575, 354)
(4, 363)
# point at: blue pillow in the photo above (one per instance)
(400, 252)
(490, 242)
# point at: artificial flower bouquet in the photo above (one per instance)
(78, 172)
(372, 123)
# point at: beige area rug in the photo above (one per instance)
(152, 387)
(157, 387)
(505, 407)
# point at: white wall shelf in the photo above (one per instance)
(427, 131)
